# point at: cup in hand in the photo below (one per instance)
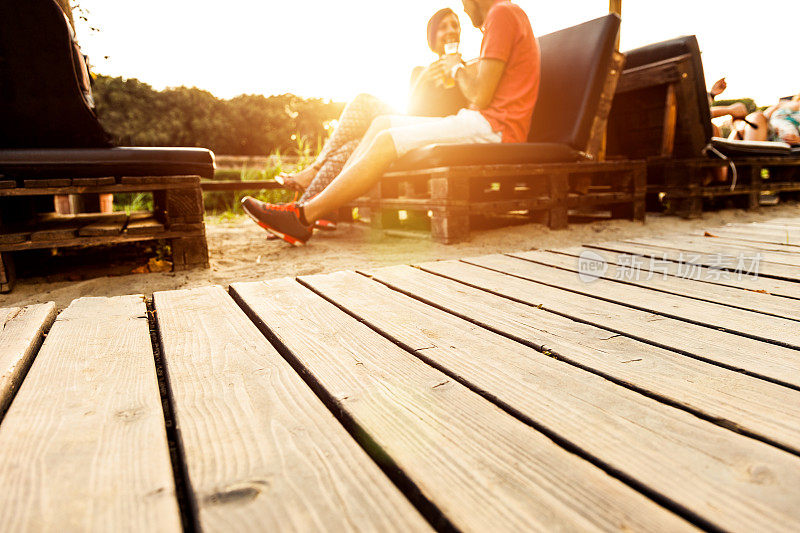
(450, 49)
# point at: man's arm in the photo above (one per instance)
(479, 84)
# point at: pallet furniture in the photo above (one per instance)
(559, 169)
(177, 217)
(496, 393)
(660, 113)
(51, 144)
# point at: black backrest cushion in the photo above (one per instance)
(41, 102)
(687, 44)
(575, 62)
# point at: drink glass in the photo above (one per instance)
(450, 49)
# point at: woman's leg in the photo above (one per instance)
(761, 132)
(353, 123)
(331, 168)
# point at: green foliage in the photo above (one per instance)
(748, 102)
(137, 115)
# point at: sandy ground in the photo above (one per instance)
(240, 252)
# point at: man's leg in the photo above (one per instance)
(356, 178)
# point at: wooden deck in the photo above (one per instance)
(650, 384)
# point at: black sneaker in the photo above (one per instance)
(282, 220)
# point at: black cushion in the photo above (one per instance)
(653, 53)
(102, 162)
(575, 62)
(750, 148)
(446, 155)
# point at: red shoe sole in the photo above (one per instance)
(288, 238)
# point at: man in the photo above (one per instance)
(502, 91)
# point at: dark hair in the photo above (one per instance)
(433, 26)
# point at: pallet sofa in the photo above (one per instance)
(661, 113)
(51, 143)
(558, 170)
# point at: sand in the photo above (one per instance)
(239, 251)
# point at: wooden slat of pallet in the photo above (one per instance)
(97, 240)
(772, 362)
(41, 190)
(157, 180)
(145, 224)
(678, 456)
(761, 283)
(483, 469)
(757, 407)
(7, 184)
(92, 182)
(84, 442)
(21, 332)
(111, 225)
(286, 462)
(762, 327)
(623, 271)
(54, 182)
(236, 185)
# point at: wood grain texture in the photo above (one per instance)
(705, 257)
(21, 332)
(773, 235)
(735, 400)
(262, 451)
(763, 284)
(84, 444)
(483, 469)
(111, 225)
(764, 327)
(714, 245)
(694, 463)
(775, 362)
(143, 225)
(623, 271)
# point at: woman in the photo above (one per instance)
(428, 97)
(780, 122)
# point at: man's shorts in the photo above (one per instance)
(468, 126)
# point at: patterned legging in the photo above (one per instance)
(353, 124)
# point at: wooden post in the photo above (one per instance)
(559, 188)
(670, 122)
(451, 224)
(7, 274)
(754, 199)
(615, 6)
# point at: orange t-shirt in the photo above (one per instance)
(507, 35)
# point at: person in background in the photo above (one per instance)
(501, 90)
(428, 97)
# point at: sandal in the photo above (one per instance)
(289, 183)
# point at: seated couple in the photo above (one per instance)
(499, 92)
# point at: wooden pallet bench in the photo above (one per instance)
(177, 217)
(452, 197)
(501, 393)
(661, 114)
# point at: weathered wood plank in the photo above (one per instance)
(710, 245)
(262, 451)
(144, 224)
(639, 272)
(84, 442)
(732, 351)
(110, 225)
(680, 265)
(763, 327)
(756, 407)
(21, 332)
(54, 182)
(772, 237)
(483, 469)
(673, 453)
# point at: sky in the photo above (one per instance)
(335, 49)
